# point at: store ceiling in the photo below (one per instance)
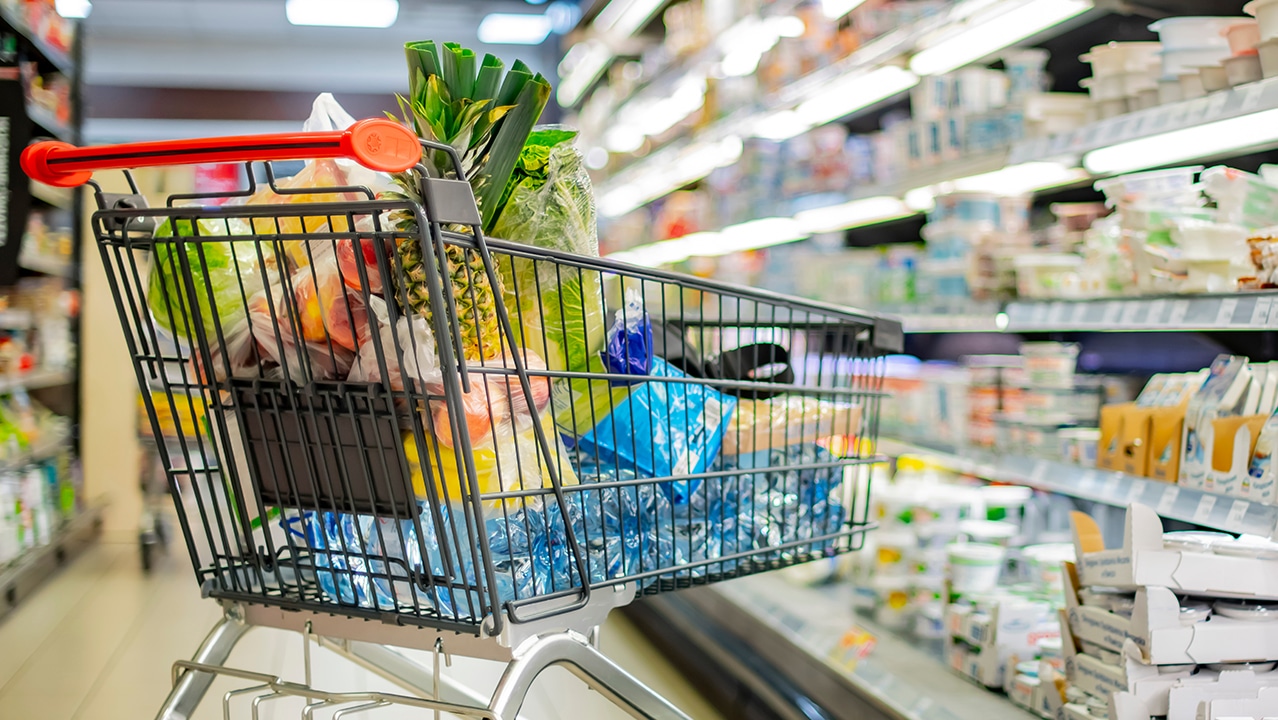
(172, 62)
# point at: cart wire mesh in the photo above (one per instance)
(408, 420)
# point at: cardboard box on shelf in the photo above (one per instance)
(1095, 625)
(1233, 443)
(1156, 629)
(1146, 683)
(1165, 443)
(1184, 700)
(1142, 561)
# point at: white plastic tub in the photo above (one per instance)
(1243, 69)
(1179, 62)
(1106, 109)
(1214, 78)
(1105, 87)
(1205, 240)
(1242, 36)
(1115, 57)
(1266, 14)
(1146, 99)
(1168, 91)
(1268, 51)
(1046, 275)
(1192, 32)
(1050, 364)
(975, 567)
(1191, 85)
(1054, 113)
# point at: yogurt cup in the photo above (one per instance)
(1246, 610)
(1194, 540)
(1194, 611)
(975, 567)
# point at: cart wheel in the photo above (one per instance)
(161, 531)
(145, 547)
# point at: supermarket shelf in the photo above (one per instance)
(61, 267)
(49, 123)
(55, 196)
(796, 633)
(45, 450)
(1234, 311)
(927, 324)
(1244, 100)
(20, 578)
(877, 53)
(1103, 486)
(35, 380)
(59, 58)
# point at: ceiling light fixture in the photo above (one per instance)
(1204, 141)
(856, 213)
(624, 18)
(583, 62)
(342, 13)
(73, 9)
(514, 29)
(857, 92)
(835, 9)
(986, 34)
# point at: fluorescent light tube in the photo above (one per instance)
(666, 173)
(342, 13)
(752, 235)
(852, 214)
(1203, 141)
(1011, 180)
(781, 125)
(514, 29)
(583, 62)
(847, 95)
(985, 35)
(835, 9)
(73, 9)
(626, 17)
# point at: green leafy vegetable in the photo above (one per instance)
(550, 204)
(223, 275)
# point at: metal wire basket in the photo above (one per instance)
(417, 424)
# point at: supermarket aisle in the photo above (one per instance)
(98, 641)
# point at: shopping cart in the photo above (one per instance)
(462, 444)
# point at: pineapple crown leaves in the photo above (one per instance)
(484, 112)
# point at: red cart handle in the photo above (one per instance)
(375, 143)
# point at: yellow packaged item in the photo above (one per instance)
(522, 466)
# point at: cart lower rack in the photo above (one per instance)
(419, 436)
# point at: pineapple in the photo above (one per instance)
(485, 114)
(474, 295)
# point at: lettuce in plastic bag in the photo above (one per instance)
(550, 204)
(224, 274)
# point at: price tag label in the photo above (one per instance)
(1135, 491)
(854, 646)
(1057, 314)
(1225, 315)
(1038, 315)
(1260, 313)
(1113, 311)
(1237, 513)
(1159, 120)
(1179, 310)
(1039, 473)
(1131, 310)
(1216, 104)
(1077, 316)
(1089, 480)
(1137, 124)
(1203, 512)
(1156, 310)
(1252, 96)
(1197, 111)
(1168, 500)
(1115, 131)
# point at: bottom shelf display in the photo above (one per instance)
(24, 574)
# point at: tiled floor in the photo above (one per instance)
(97, 643)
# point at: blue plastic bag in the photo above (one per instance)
(663, 429)
(629, 349)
